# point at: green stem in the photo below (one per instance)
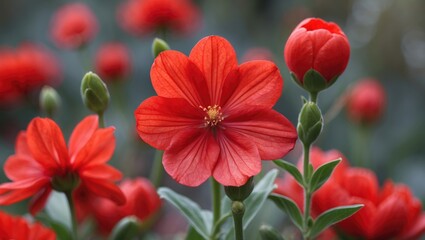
(157, 169)
(360, 145)
(307, 191)
(68, 195)
(101, 120)
(238, 210)
(216, 206)
(313, 97)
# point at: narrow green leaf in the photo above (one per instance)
(289, 207)
(331, 217)
(322, 174)
(62, 231)
(192, 234)
(269, 233)
(200, 220)
(58, 210)
(126, 228)
(291, 169)
(254, 202)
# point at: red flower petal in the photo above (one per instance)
(299, 53)
(39, 200)
(47, 144)
(105, 189)
(360, 223)
(239, 158)
(215, 57)
(13, 192)
(159, 119)
(82, 133)
(21, 146)
(101, 172)
(259, 83)
(175, 76)
(192, 156)
(272, 133)
(19, 167)
(366, 184)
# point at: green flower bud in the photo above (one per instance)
(158, 46)
(127, 228)
(310, 123)
(66, 183)
(238, 208)
(269, 233)
(240, 193)
(94, 92)
(50, 100)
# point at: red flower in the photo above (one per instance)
(113, 61)
(17, 228)
(25, 69)
(318, 45)
(213, 117)
(366, 101)
(142, 202)
(42, 162)
(73, 25)
(388, 213)
(144, 16)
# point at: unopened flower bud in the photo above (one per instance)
(50, 100)
(158, 46)
(269, 233)
(310, 123)
(94, 92)
(240, 193)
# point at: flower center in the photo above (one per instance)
(213, 115)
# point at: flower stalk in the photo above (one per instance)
(74, 223)
(238, 210)
(216, 206)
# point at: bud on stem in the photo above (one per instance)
(158, 46)
(50, 100)
(310, 123)
(94, 93)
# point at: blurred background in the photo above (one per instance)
(387, 40)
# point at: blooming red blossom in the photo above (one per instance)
(318, 45)
(43, 162)
(142, 202)
(144, 16)
(366, 101)
(212, 116)
(73, 25)
(113, 61)
(391, 212)
(17, 228)
(24, 70)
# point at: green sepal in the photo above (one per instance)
(240, 193)
(314, 82)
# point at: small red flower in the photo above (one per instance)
(17, 228)
(212, 116)
(24, 70)
(318, 45)
(145, 16)
(142, 202)
(113, 61)
(366, 101)
(391, 212)
(43, 162)
(73, 25)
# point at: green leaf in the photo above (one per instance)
(269, 233)
(58, 210)
(200, 220)
(290, 208)
(192, 234)
(322, 174)
(254, 202)
(126, 228)
(331, 217)
(62, 231)
(291, 169)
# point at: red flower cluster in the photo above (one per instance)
(366, 101)
(144, 16)
(17, 228)
(73, 25)
(25, 69)
(142, 202)
(212, 116)
(318, 45)
(391, 212)
(113, 61)
(43, 162)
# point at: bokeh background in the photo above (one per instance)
(387, 40)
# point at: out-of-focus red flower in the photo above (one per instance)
(257, 53)
(25, 69)
(17, 228)
(318, 45)
(366, 101)
(391, 212)
(43, 162)
(113, 61)
(212, 116)
(145, 16)
(142, 202)
(73, 25)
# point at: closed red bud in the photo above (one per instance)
(316, 53)
(113, 61)
(366, 101)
